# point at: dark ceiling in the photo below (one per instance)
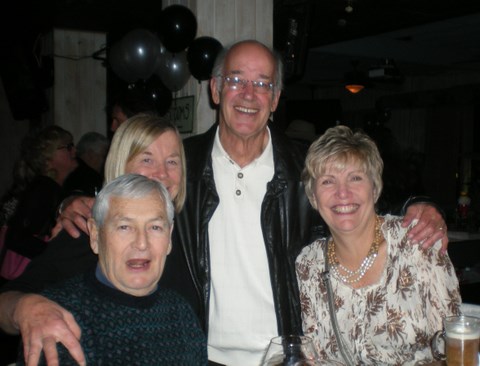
(328, 20)
(420, 36)
(27, 18)
(334, 21)
(330, 33)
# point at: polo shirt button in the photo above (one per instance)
(238, 192)
(240, 175)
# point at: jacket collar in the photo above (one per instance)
(285, 155)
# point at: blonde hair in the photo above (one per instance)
(132, 138)
(340, 145)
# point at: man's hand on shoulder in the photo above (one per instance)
(430, 228)
(42, 324)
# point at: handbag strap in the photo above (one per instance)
(342, 345)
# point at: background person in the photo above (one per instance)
(124, 316)
(30, 205)
(47, 158)
(128, 103)
(389, 297)
(87, 178)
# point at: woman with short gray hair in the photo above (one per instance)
(368, 296)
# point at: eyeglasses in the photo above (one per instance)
(260, 87)
(68, 146)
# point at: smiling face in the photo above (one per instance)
(160, 161)
(244, 113)
(345, 197)
(133, 243)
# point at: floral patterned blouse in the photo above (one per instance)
(387, 323)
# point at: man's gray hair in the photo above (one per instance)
(130, 186)
(94, 141)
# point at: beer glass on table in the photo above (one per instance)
(461, 335)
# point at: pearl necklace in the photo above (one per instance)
(350, 276)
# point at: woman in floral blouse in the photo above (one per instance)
(389, 296)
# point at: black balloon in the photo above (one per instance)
(148, 95)
(162, 57)
(178, 27)
(173, 71)
(159, 94)
(201, 56)
(141, 49)
(117, 63)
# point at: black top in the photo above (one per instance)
(34, 217)
(122, 329)
(83, 180)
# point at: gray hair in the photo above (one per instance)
(130, 186)
(340, 145)
(93, 141)
(37, 150)
(219, 65)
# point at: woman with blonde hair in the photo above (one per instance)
(133, 138)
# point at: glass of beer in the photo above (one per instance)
(461, 335)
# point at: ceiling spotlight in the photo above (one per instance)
(354, 88)
(355, 80)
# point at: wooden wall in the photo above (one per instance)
(79, 93)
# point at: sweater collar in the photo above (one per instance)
(100, 276)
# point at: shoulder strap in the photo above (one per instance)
(342, 346)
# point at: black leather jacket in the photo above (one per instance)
(288, 223)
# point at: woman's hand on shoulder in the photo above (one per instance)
(73, 215)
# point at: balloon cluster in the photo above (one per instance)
(173, 55)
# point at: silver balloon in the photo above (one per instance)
(173, 70)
